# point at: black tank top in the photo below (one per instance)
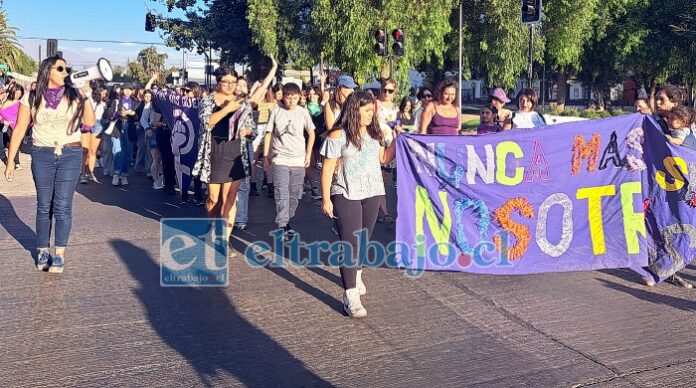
(222, 128)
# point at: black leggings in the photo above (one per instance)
(352, 217)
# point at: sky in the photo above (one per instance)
(122, 21)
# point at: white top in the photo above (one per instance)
(51, 125)
(527, 120)
(98, 108)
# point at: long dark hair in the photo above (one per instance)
(404, 102)
(12, 90)
(333, 101)
(349, 119)
(72, 94)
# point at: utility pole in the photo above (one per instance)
(531, 15)
(459, 92)
(530, 69)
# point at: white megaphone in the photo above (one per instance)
(101, 71)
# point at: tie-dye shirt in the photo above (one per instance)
(358, 174)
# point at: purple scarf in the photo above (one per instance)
(53, 97)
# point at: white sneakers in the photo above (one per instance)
(118, 180)
(352, 305)
(351, 298)
(359, 283)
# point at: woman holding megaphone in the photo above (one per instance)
(56, 157)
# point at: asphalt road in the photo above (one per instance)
(107, 322)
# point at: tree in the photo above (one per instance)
(10, 51)
(262, 16)
(567, 27)
(151, 60)
(348, 43)
(499, 42)
(135, 72)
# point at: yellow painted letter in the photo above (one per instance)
(634, 223)
(594, 214)
(501, 151)
(671, 164)
(441, 233)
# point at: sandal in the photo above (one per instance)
(679, 281)
(388, 219)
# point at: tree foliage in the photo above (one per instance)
(10, 49)
(151, 60)
(348, 40)
(602, 42)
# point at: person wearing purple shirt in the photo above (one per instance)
(489, 121)
(442, 117)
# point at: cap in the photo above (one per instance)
(499, 94)
(346, 81)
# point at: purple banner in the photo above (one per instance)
(578, 196)
(181, 115)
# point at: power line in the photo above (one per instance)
(91, 40)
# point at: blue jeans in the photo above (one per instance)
(243, 202)
(55, 178)
(122, 150)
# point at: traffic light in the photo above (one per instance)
(531, 11)
(398, 46)
(51, 47)
(381, 43)
(150, 22)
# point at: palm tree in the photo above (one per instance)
(10, 51)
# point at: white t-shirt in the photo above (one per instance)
(527, 120)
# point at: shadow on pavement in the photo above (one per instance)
(308, 288)
(624, 274)
(204, 327)
(138, 197)
(16, 227)
(651, 297)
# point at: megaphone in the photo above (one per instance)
(101, 71)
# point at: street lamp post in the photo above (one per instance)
(459, 93)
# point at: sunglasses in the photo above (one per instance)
(390, 91)
(63, 68)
